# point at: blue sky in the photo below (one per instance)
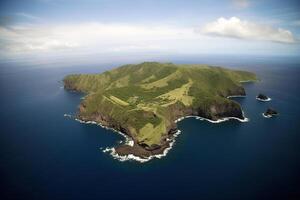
(112, 27)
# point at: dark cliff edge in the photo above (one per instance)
(215, 112)
(145, 101)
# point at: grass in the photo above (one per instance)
(163, 82)
(152, 135)
(179, 94)
(119, 101)
(141, 97)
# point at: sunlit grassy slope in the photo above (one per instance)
(142, 97)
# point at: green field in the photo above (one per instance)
(146, 98)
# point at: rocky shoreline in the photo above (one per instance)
(216, 107)
(133, 150)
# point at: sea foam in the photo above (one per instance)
(128, 157)
(213, 121)
(268, 99)
(266, 116)
(130, 142)
(236, 96)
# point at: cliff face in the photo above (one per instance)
(222, 110)
(144, 100)
(70, 85)
(213, 112)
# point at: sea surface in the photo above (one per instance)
(44, 155)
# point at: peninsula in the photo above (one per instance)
(143, 101)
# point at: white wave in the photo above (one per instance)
(236, 96)
(247, 81)
(115, 155)
(213, 121)
(266, 116)
(106, 149)
(86, 122)
(121, 158)
(68, 115)
(259, 99)
(226, 119)
(130, 142)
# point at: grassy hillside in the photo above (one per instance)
(146, 98)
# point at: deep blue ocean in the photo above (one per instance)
(44, 155)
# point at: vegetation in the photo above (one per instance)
(141, 98)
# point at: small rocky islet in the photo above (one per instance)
(262, 97)
(270, 112)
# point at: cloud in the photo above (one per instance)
(139, 39)
(241, 3)
(104, 37)
(26, 39)
(236, 28)
(132, 48)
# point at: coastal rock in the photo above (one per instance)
(270, 112)
(262, 97)
(219, 111)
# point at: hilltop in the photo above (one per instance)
(144, 100)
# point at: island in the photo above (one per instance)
(144, 101)
(262, 97)
(270, 112)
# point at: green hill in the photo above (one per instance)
(143, 100)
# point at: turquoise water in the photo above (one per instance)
(45, 155)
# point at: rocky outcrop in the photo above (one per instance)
(262, 97)
(213, 112)
(69, 85)
(219, 111)
(140, 150)
(236, 91)
(270, 112)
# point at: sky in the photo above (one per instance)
(34, 28)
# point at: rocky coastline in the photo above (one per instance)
(142, 152)
(145, 103)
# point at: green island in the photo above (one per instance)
(144, 100)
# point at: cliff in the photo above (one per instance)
(144, 100)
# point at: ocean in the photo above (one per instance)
(45, 155)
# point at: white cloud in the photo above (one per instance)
(103, 37)
(122, 39)
(130, 48)
(50, 44)
(236, 28)
(241, 3)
